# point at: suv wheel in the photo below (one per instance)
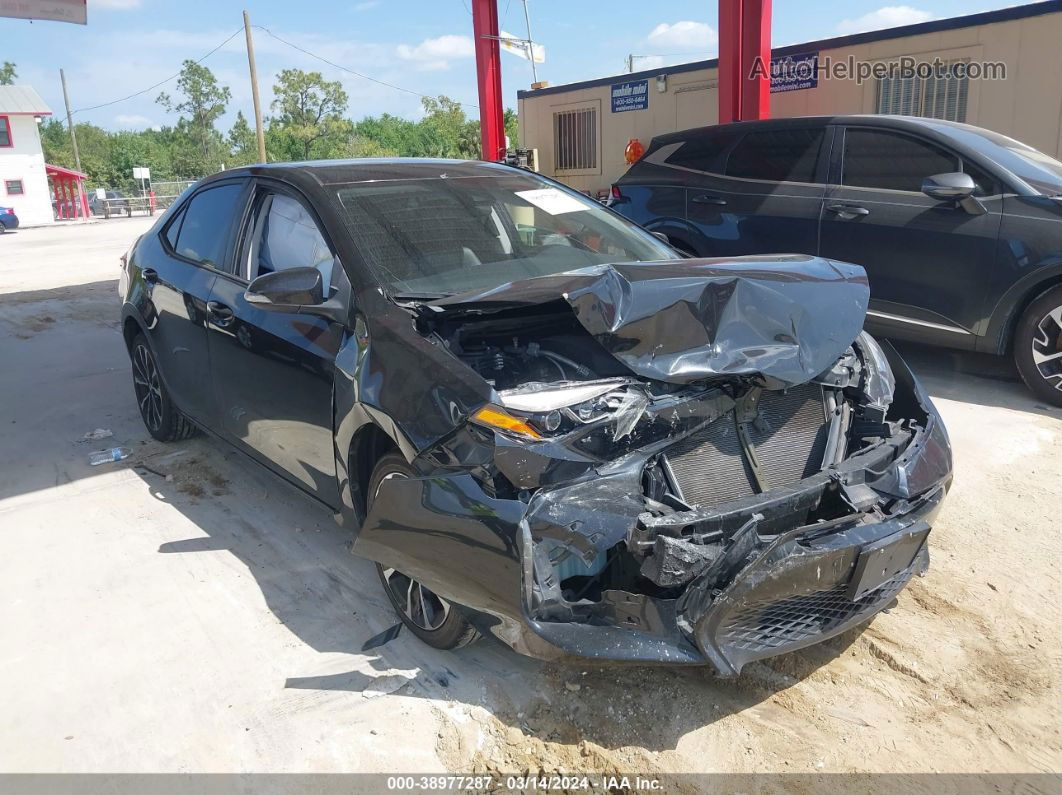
(1038, 346)
(161, 417)
(430, 617)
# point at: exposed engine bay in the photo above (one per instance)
(737, 500)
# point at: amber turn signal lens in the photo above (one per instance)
(494, 417)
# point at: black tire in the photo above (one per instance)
(162, 419)
(1038, 346)
(435, 621)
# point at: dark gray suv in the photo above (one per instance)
(959, 228)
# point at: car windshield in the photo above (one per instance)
(441, 236)
(1040, 171)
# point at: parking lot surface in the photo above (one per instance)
(185, 611)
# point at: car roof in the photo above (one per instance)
(342, 172)
(872, 120)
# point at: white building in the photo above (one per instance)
(23, 179)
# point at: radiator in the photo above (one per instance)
(789, 439)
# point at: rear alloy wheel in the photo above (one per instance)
(427, 615)
(161, 417)
(1038, 346)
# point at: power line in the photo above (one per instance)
(363, 76)
(161, 82)
(270, 33)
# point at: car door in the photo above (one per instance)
(195, 245)
(929, 261)
(273, 370)
(763, 194)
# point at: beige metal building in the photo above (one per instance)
(581, 129)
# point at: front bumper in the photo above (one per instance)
(794, 594)
(790, 586)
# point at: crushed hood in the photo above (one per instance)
(782, 318)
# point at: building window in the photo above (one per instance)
(943, 96)
(5, 131)
(13, 187)
(575, 139)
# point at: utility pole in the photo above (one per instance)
(70, 121)
(258, 131)
(530, 45)
(630, 63)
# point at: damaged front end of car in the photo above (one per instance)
(680, 462)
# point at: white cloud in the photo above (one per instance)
(887, 17)
(133, 121)
(684, 36)
(435, 54)
(115, 5)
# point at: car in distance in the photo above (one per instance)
(113, 203)
(958, 228)
(8, 219)
(536, 418)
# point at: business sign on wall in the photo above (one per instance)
(74, 11)
(794, 72)
(633, 95)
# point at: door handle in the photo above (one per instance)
(706, 198)
(219, 313)
(848, 211)
(151, 276)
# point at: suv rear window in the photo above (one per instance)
(776, 155)
(701, 152)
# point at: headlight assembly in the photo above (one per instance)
(537, 410)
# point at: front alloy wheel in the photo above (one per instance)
(419, 605)
(1038, 346)
(427, 615)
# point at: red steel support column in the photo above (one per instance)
(744, 37)
(488, 76)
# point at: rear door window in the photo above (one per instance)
(777, 155)
(208, 220)
(174, 229)
(703, 151)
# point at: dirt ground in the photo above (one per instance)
(184, 611)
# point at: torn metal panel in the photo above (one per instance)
(681, 448)
(782, 319)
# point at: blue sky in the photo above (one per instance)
(421, 45)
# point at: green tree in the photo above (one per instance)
(8, 74)
(243, 143)
(512, 128)
(308, 115)
(202, 102)
(449, 131)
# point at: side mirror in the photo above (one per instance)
(949, 187)
(287, 289)
(294, 290)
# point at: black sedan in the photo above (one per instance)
(959, 228)
(535, 418)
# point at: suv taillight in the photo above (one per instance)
(616, 192)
